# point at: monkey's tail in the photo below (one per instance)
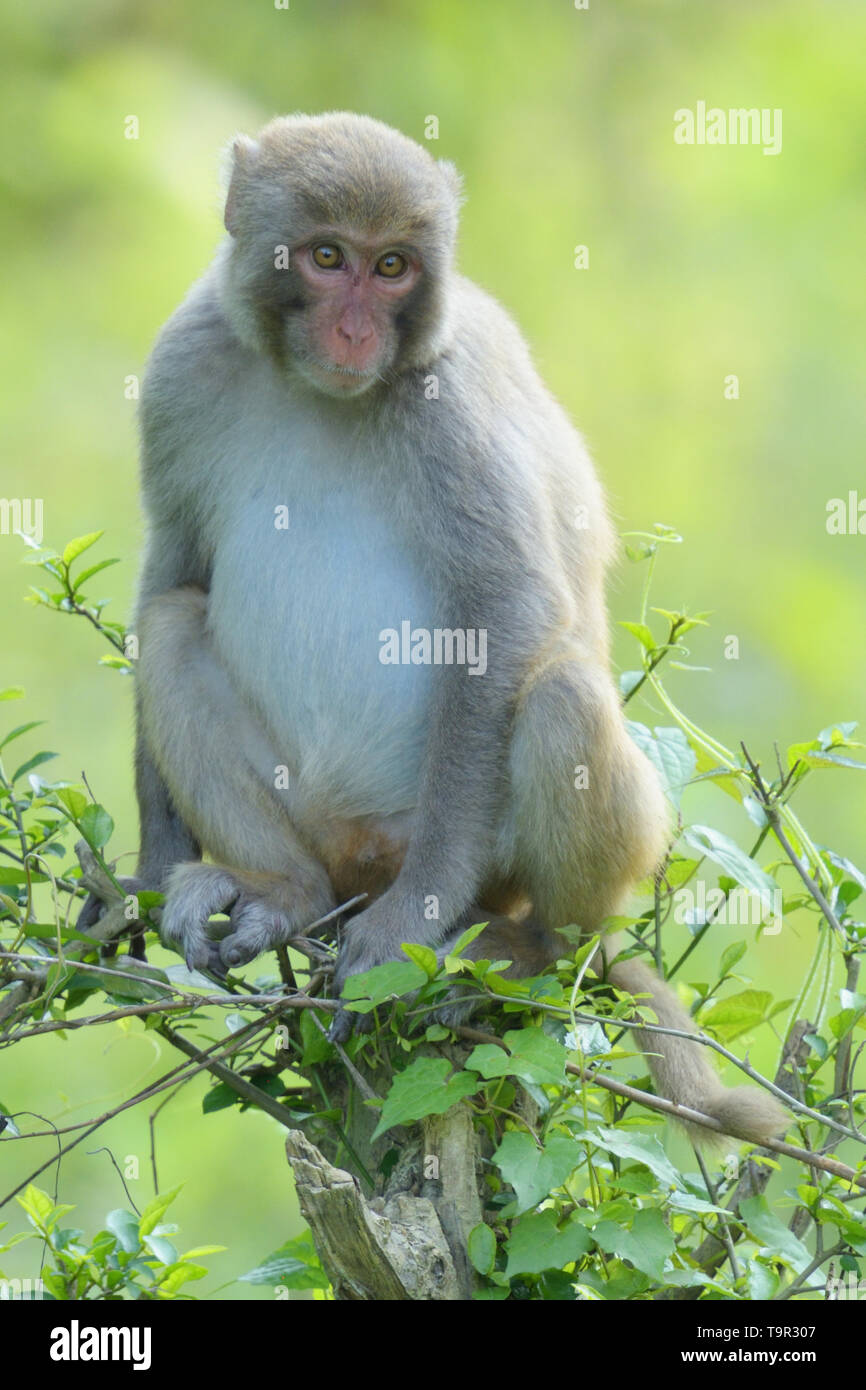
(681, 1070)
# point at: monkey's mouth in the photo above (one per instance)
(335, 380)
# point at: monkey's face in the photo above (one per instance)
(345, 336)
(368, 219)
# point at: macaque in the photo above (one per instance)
(332, 547)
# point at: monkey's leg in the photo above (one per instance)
(218, 764)
(586, 821)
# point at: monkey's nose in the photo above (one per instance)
(356, 334)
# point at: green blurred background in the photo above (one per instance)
(704, 261)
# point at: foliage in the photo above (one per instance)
(581, 1199)
(131, 1258)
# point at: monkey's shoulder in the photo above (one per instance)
(485, 337)
(195, 352)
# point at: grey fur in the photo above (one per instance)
(479, 509)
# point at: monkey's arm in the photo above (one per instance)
(165, 840)
(172, 561)
(492, 575)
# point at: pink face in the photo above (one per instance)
(356, 292)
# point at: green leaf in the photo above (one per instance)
(636, 553)
(762, 1281)
(316, 1045)
(642, 1148)
(82, 578)
(14, 876)
(155, 1211)
(536, 1243)
(840, 862)
(833, 760)
(647, 1245)
(817, 1044)
(718, 847)
(21, 729)
(853, 1009)
(36, 761)
(37, 1204)
(534, 1172)
(290, 1273)
(96, 826)
(436, 1033)
(770, 1232)
(77, 547)
(465, 939)
(739, 1013)
(12, 692)
(687, 1201)
(74, 801)
(178, 1275)
(837, 733)
(670, 753)
(533, 1057)
(755, 811)
(199, 1250)
(161, 1248)
(384, 982)
(731, 955)
(684, 621)
(482, 1248)
(424, 1088)
(590, 1039)
(295, 1266)
(642, 633)
(125, 1226)
(628, 681)
(422, 956)
(219, 1097)
(144, 986)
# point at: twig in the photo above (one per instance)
(723, 1219)
(843, 1052)
(703, 1040)
(683, 1112)
(249, 1092)
(360, 1081)
(820, 1258)
(772, 814)
(106, 1150)
(183, 1071)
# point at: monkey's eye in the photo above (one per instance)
(328, 257)
(392, 265)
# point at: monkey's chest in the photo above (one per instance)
(313, 603)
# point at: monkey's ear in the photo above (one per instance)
(243, 155)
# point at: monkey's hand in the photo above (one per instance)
(373, 938)
(264, 911)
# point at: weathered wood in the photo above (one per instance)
(451, 1183)
(377, 1250)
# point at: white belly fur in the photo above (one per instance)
(296, 615)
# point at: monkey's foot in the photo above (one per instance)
(264, 911)
(458, 1006)
(95, 907)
